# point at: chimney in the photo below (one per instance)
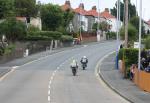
(81, 6)
(68, 3)
(94, 8)
(106, 10)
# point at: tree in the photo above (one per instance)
(67, 17)
(132, 33)
(13, 29)
(6, 8)
(103, 26)
(52, 17)
(135, 22)
(132, 10)
(26, 8)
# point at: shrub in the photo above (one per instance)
(66, 38)
(111, 35)
(130, 56)
(32, 28)
(147, 43)
(44, 35)
(1, 51)
(132, 33)
(9, 49)
(13, 29)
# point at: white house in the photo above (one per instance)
(110, 19)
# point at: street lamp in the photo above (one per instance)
(140, 32)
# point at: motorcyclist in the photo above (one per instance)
(84, 61)
(74, 67)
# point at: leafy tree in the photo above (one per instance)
(52, 17)
(103, 26)
(13, 29)
(135, 22)
(132, 10)
(67, 17)
(132, 33)
(26, 8)
(6, 8)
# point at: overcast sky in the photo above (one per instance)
(103, 4)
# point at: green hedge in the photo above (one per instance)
(130, 56)
(111, 35)
(44, 35)
(66, 38)
(147, 43)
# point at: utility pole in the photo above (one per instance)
(80, 20)
(126, 23)
(140, 32)
(98, 22)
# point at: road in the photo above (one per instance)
(49, 79)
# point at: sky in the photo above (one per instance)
(104, 4)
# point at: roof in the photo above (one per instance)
(148, 22)
(65, 7)
(92, 13)
(107, 15)
(80, 11)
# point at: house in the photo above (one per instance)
(92, 16)
(32, 21)
(110, 19)
(80, 19)
(146, 25)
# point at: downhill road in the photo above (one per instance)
(50, 80)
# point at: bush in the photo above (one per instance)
(13, 29)
(44, 35)
(1, 51)
(147, 43)
(9, 49)
(66, 38)
(111, 35)
(32, 28)
(132, 33)
(130, 56)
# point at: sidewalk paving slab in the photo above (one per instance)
(124, 87)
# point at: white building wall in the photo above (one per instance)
(113, 23)
(147, 27)
(36, 22)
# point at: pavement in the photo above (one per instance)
(124, 87)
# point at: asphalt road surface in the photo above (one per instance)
(50, 80)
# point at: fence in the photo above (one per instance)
(142, 80)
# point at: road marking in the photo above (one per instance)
(49, 86)
(14, 67)
(3, 77)
(49, 99)
(49, 92)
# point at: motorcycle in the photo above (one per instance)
(74, 71)
(84, 65)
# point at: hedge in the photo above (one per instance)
(111, 35)
(42, 35)
(147, 43)
(66, 38)
(130, 56)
